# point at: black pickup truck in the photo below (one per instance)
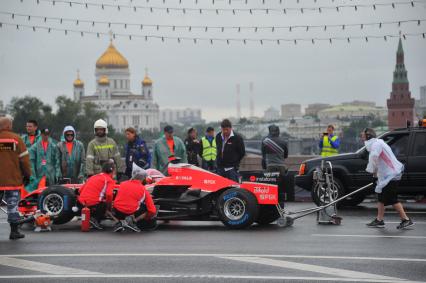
(409, 146)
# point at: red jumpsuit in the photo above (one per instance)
(131, 195)
(98, 188)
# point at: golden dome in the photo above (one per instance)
(146, 80)
(112, 59)
(78, 82)
(103, 80)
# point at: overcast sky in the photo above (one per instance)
(205, 76)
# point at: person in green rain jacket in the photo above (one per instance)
(72, 156)
(33, 133)
(166, 149)
(44, 157)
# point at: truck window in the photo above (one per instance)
(398, 143)
(419, 148)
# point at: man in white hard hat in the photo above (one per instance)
(101, 149)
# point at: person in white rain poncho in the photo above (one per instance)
(387, 171)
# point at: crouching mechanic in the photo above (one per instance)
(387, 170)
(134, 204)
(97, 194)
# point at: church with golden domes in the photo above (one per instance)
(124, 108)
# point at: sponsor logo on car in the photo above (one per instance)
(261, 190)
(184, 178)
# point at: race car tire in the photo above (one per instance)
(267, 214)
(58, 201)
(237, 208)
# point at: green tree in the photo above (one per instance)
(69, 112)
(29, 108)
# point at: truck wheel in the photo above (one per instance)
(58, 201)
(353, 200)
(317, 191)
(237, 208)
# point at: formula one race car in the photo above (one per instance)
(188, 193)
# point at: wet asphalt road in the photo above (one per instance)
(209, 252)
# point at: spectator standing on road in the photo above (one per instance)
(97, 194)
(231, 149)
(33, 133)
(387, 170)
(192, 145)
(14, 169)
(274, 153)
(208, 150)
(166, 149)
(329, 143)
(45, 161)
(133, 203)
(136, 152)
(101, 149)
(72, 156)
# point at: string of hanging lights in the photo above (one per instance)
(206, 28)
(283, 10)
(212, 40)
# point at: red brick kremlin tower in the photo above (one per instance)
(400, 104)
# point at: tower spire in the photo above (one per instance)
(400, 73)
(400, 104)
(111, 36)
(400, 49)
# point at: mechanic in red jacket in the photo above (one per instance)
(133, 202)
(97, 194)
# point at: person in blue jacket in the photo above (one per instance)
(136, 151)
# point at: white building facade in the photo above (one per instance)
(271, 114)
(113, 95)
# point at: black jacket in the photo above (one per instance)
(274, 151)
(233, 151)
(192, 150)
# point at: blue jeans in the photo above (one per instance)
(230, 174)
(12, 198)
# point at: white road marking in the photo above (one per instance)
(408, 212)
(217, 255)
(43, 267)
(311, 268)
(397, 222)
(368, 236)
(209, 276)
